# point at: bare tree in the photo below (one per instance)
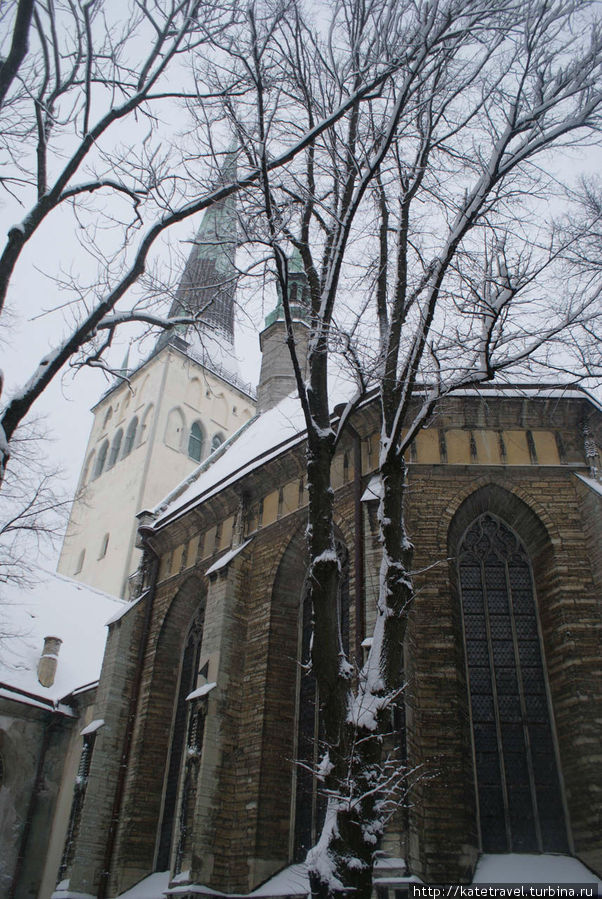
(33, 510)
(439, 179)
(63, 134)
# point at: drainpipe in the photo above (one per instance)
(31, 807)
(131, 718)
(358, 567)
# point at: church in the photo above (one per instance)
(197, 754)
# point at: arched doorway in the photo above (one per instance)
(519, 796)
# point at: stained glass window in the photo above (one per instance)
(519, 797)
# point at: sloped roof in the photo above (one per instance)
(58, 607)
(271, 433)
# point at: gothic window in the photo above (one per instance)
(107, 418)
(310, 803)
(216, 441)
(79, 791)
(195, 442)
(177, 754)
(130, 436)
(174, 429)
(518, 789)
(89, 467)
(145, 426)
(115, 447)
(101, 459)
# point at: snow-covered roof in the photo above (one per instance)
(59, 607)
(262, 438)
(273, 432)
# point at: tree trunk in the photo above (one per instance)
(365, 780)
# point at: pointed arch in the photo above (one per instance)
(88, 468)
(130, 437)
(195, 441)
(101, 459)
(146, 798)
(504, 576)
(174, 430)
(115, 448)
(519, 798)
(216, 441)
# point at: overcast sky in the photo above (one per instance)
(27, 334)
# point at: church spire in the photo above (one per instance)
(208, 284)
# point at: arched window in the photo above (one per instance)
(101, 459)
(174, 429)
(195, 442)
(145, 425)
(518, 790)
(310, 803)
(88, 468)
(107, 418)
(115, 447)
(216, 441)
(130, 436)
(178, 757)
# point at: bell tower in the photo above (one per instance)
(158, 421)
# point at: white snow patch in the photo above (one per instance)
(594, 485)
(319, 858)
(518, 868)
(201, 691)
(152, 887)
(73, 612)
(125, 609)
(92, 727)
(227, 557)
(70, 894)
(374, 489)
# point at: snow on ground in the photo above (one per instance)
(55, 607)
(515, 868)
(294, 881)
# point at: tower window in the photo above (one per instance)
(216, 441)
(518, 788)
(195, 442)
(130, 437)
(101, 459)
(115, 447)
(88, 469)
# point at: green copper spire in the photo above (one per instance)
(208, 283)
(298, 292)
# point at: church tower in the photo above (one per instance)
(175, 408)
